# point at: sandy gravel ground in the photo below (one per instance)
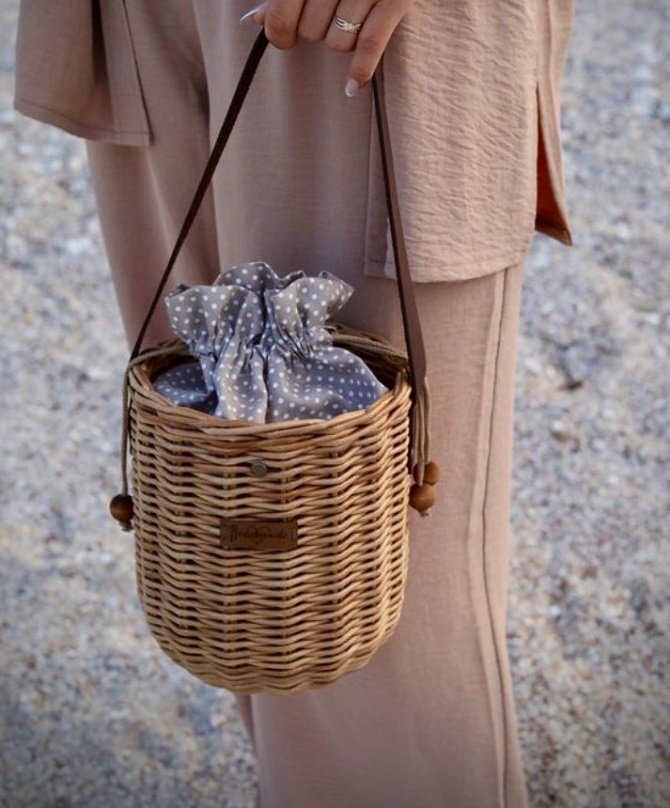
(92, 715)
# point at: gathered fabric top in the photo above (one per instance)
(263, 351)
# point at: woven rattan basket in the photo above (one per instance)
(274, 556)
(279, 619)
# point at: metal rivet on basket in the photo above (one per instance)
(259, 469)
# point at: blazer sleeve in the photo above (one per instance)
(90, 87)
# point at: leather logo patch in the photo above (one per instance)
(266, 535)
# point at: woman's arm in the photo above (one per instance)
(361, 26)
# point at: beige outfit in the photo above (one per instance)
(429, 723)
(470, 83)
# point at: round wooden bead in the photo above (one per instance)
(431, 474)
(422, 497)
(121, 508)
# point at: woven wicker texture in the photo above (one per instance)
(278, 620)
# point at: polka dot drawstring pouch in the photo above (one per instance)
(264, 352)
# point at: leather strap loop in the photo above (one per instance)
(411, 322)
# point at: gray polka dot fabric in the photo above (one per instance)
(263, 352)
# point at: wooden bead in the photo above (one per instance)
(422, 497)
(431, 474)
(121, 508)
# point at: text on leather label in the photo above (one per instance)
(266, 535)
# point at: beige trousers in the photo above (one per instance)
(430, 722)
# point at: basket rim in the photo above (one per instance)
(140, 383)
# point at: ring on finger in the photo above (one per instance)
(346, 26)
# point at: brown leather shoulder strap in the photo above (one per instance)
(412, 324)
(253, 60)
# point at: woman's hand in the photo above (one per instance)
(362, 26)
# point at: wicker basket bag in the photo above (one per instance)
(274, 556)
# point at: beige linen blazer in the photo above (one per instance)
(472, 92)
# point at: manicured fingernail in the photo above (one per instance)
(352, 88)
(247, 19)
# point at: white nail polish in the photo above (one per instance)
(352, 88)
(246, 19)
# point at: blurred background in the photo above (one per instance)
(92, 714)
